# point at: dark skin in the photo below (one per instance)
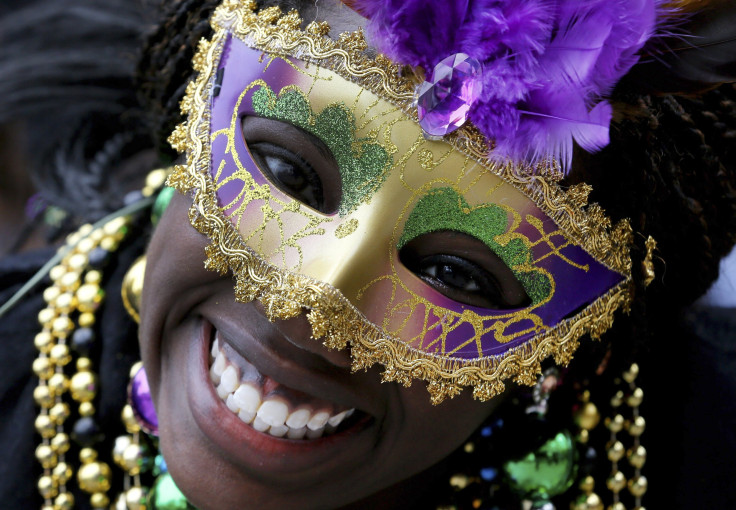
(387, 458)
(404, 433)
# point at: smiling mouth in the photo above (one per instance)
(268, 406)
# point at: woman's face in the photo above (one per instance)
(221, 462)
(347, 221)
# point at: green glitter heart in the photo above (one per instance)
(446, 209)
(363, 162)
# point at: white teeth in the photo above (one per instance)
(247, 398)
(260, 425)
(215, 346)
(246, 416)
(273, 412)
(279, 431)
(318, 420)
(271, 415)
(337, 419)
(314, 434)
(218, 367)
(230, 403)
(230, 379)
(298, 418)
(296, 433)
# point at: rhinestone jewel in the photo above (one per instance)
(142, 404)
(443, 103)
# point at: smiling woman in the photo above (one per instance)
(380, 263)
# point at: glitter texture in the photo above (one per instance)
(446, 209)
(363, 163)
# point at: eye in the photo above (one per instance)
(295, 161)
(464, 269)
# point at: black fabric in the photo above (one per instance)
(112, 359)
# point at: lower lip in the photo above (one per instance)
(244, 445)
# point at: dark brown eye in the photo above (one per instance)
(294, 161)
(464, 269)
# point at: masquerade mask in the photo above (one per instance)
(314, 182)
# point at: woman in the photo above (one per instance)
(292, 154)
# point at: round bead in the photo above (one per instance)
(84, 386)
(156, 178)
(86, 320)
(99, 500)
(42, 368)
(60, 443)
(58, 384)
(70, 281)
(77, 262)
(86, 431)
(459, 481)
(46, 456)
(59, 354)
(587, 484)
(615, 424)
(588, 502)
(62, 326)
(82, 340)
(86, 409)
(588, 417)
(635, 398)
(89, 297)
(109, 244)
(128, 417)
(87, 455)
(98, 257)
(44, 342)
(630, 375)
(94, 477)
(135, 460)
(84, 364)
(46, 316)
(97, 235)
(114, 226)
(85, 230)
(42, 395)
(617, 399)
(93, 276)
(121, 443)
(469, 447)
(51, 293)
(47, 487)
(638, 486)
(637, 456)
(616, 482)
(62, 472)
(85, 245)
(136, 498)
(65, 303)
(64, 501)
(615, 451)
(57, 272)
(636, 427)
(583, 436)
(45, 426)
(617, 506)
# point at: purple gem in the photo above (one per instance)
(444, 102)
(142, 404)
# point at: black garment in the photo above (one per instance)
(112, 359)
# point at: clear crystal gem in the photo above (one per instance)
(443, 103)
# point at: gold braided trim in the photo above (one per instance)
(333, 318)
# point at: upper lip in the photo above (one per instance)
(266, 347)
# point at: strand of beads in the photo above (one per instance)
(75, 292)
(616, 450)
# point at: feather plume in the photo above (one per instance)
(547, 64)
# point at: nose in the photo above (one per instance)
(298, 332)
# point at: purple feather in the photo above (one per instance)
(547, 64)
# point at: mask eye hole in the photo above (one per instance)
(464, 269)
(296, 162)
